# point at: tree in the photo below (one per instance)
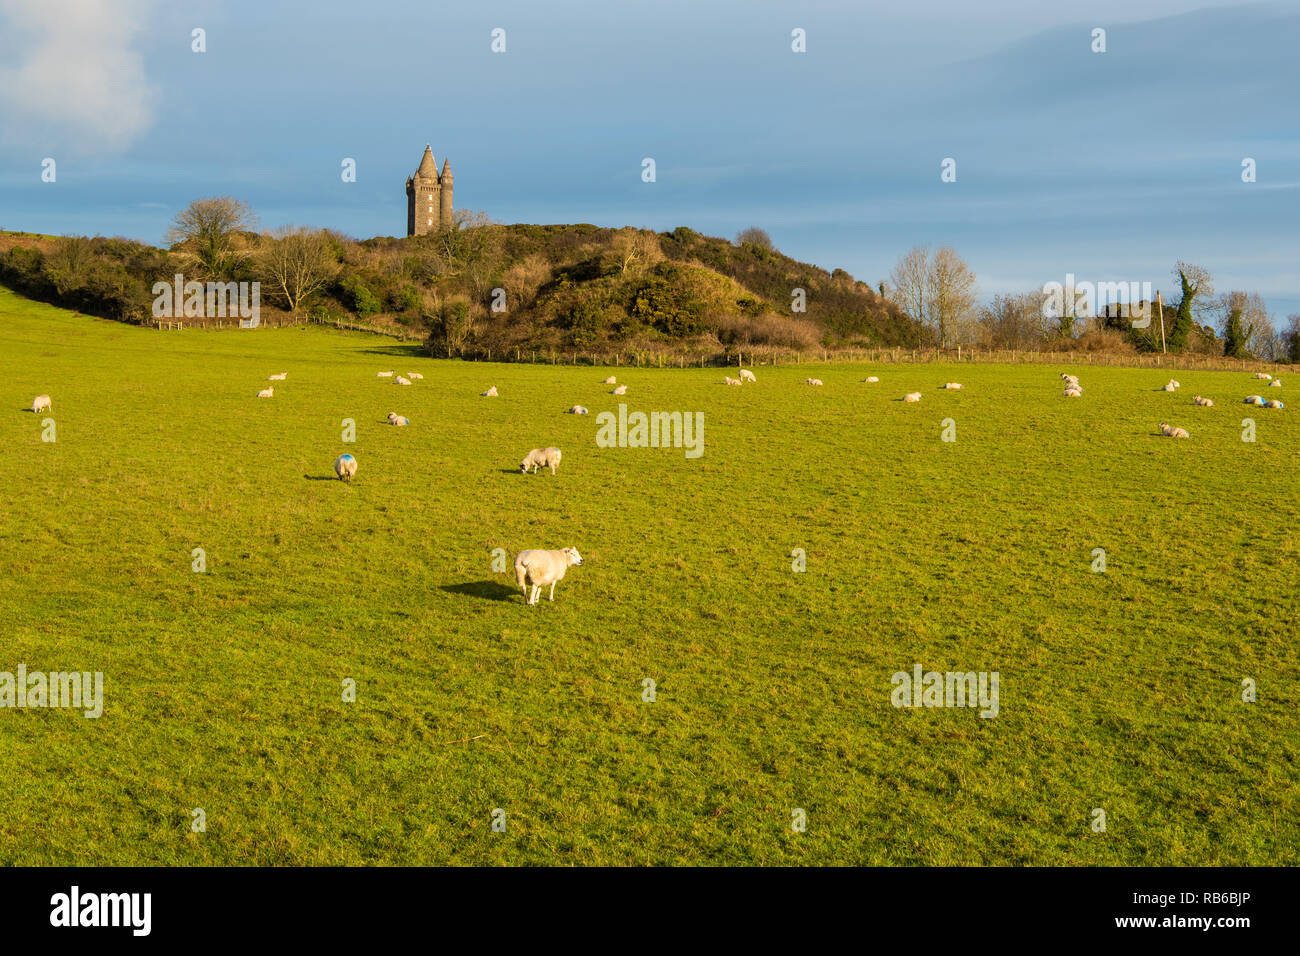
(1234, 336)
(206, 233)
(297, 262)
(937, 291)
(1291, 338)
(634, 251)
(1195, 282)
(1012, 321)
(753, 236)
(908, 283)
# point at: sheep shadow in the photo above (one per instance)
(489, 590)
(322, 478)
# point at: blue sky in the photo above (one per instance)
(1111, 166)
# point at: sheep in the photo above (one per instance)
(621, 390)
(952, 385)
(490, 393)
(41, 403)
(1175, 383)
(610, 381)
(345, 466)
(415, 375)
(732, 381)
(747, 376)
(1169, 431)
(871, 378)
(540, 568)
(1263, 376)
(1205, 402)
(280, 377)
(812, 381)
(1169, 386)
(912, 397)
(402, 381)
(387, 374)
(1273, 404)
(541, 457)
(1276, 383)
(266, 392)
(396, 419)
(1073, 391)
(1253, 400)
(577, 410)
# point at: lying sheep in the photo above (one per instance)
(1073, 391)
(278, 378)
(1273, 404)
(871, 378)
(1175, 383)
(732, 381)
(1276, 383)
(621, 390)
(1169, 386)
(396, 419)
(747, 376)
(1263, 376)
(812, 381)
(1253, 400)
(403, 381)
(266, 392)
(1207, 403)
(388, 374)
(415, 375)
(490, 393)
(345, 466)
(540, 568)
(912, 397)
(41, 403)
(610, 381)
(577, 410)
(1169, 431)
(952, 385)
(541, 458)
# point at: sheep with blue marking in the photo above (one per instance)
(345, 466)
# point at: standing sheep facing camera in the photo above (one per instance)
(41, 403)
(540, 568)
(541, 458)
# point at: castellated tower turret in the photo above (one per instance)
(428, 197)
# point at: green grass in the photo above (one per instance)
(223, 689)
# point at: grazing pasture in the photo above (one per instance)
(223, 689)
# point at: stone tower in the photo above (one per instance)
(428, 197)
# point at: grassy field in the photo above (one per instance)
(223, 690)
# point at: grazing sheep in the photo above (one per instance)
(577, 410)
(388, 374)
(1273, 404)
(812, 381)
(747, 376)
(490, 393)
(415, 375)
(1207, 403)
(610, 381)
(345, 466)
(732, 381)
(1169, 431)
(278, 378)
(871, 378)
(541, 457)
(266, 392)
(540, 568)
(41, 403)
(396, 419)
(621, 390)
(1263, 376)
(952, 385)
(1253, 400)
(1276, 383)
(912, 397)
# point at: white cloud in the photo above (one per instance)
(71, 76)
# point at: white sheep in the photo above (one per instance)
(871, 378)
(1073, 391)
(490, 393)
(540, 568)
(732, 381)
(1169, 386)
(387, 374)
(541, 458)
(402, 381)
(1276, 383)
(1205, 402)
(1263, 376)
(952, 385)
(912, 397)
(1175, 383)
(1253, 400)
(747, 376)
(1273, 404)
(610, 381)
(1169, 431)
(396, 419)
(415, 375)
(345, 466)
(812, 381)
(280, 377)
(621, 390)
(41, 403)
(577, 410)
(266, 392)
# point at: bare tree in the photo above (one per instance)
(206, 233)
(936, 290)
(297, 263)
(1013, 321)
(753, 236)
(909, 283)
(635, 250)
